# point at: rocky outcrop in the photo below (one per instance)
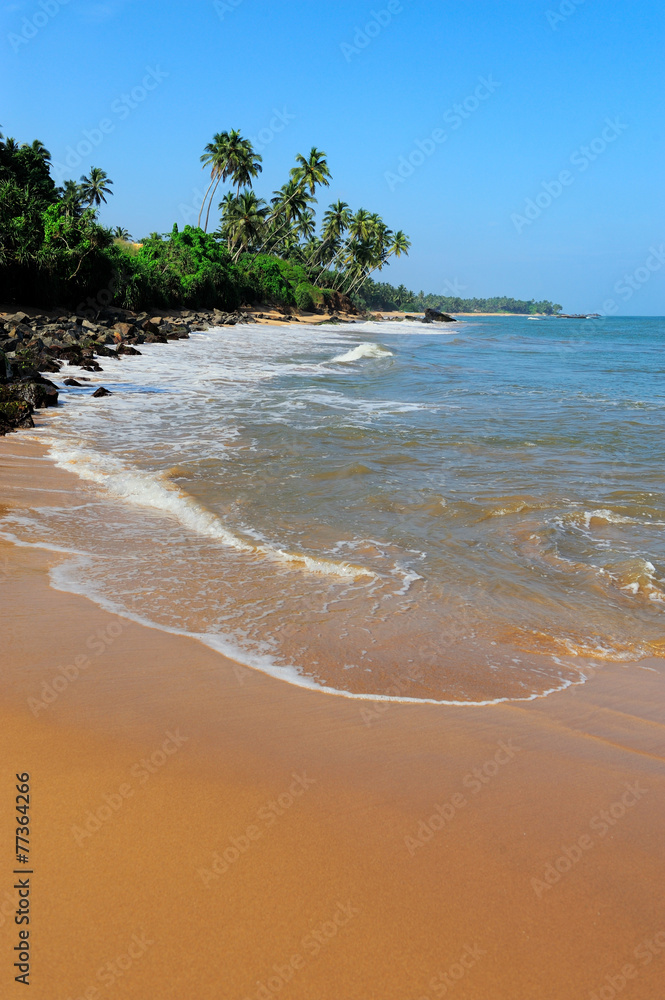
(434, 316)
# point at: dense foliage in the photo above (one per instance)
(53, 250)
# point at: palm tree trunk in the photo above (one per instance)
(210, 203)
(205, 197)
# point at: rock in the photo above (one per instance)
(101, 392)
(127, 349)
(123, 330)
(38, 392)
(92, 366)
(434, 316)
(72, 381)
(19, 317)
(5, 368)
(14, 413)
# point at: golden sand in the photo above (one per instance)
(203, 831)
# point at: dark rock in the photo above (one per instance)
(101, 392)
(14, 413)
(92, 366)
(434, 316)
(127, 349)
(5, 368)
(72, 381)
(38, 392)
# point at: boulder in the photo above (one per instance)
(434, 316)
(14, 413)
(127, 349)
(72, 381)
(102, 391)
(38, 392)
(123, 330)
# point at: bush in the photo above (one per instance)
(304, 297)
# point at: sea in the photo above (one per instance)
(460, 513)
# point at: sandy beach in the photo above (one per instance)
(202, 830)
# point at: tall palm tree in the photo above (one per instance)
(247, 221)
(121, 234)
(312, 171)
(95, 187)
(228, 155)
(308, 173)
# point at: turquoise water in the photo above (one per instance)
(459, 513)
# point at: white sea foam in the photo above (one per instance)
(144, 489)
(363, 351)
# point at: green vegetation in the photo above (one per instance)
(54, 251)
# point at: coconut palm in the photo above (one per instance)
(121, 234)
(39, 148)
(95, 187)
(247, 220)
(312, 171)
(71, 197)
(228, 155)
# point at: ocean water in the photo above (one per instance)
(463, 513)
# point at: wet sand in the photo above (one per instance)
(203, 831)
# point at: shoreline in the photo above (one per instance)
(302, 829)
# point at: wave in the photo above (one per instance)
(363, 351)
(144, 489)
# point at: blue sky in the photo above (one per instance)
(545, 182)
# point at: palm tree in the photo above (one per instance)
(121, 234)
(312, 171)
(228, 155)
(95, 187)
(307, 174)
(39, 148)
(247, 220)
(71, 197)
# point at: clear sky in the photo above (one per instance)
(546, 181)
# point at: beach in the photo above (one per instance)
(273, 823)
(206, 830)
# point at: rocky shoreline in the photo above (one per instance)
(35, 343)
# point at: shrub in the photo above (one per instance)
(304, 297)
